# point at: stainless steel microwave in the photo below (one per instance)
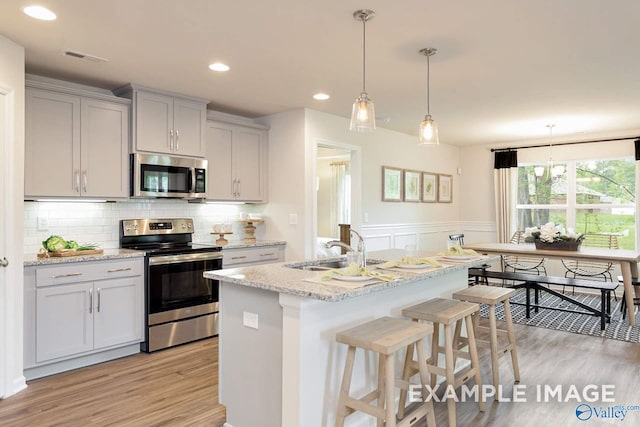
(155, 175)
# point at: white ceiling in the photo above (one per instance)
(504, 70)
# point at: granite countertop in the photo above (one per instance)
(33, 260)
(241, 244)
(278, 277)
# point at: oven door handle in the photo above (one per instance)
(174, 259)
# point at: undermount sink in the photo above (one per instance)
(326, 265)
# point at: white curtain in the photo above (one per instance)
(340, 196)
(504, 175)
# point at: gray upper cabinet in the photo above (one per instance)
(166, 123)
(75, 145)
(237, 162)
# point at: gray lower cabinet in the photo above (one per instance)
(80, 309)
(76, 143)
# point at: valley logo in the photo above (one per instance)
(586, 412)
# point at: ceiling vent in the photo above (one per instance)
(85, 56)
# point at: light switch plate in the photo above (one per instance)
(293, 219)
(250, 320)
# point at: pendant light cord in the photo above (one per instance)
(364, 54)
(428, 112)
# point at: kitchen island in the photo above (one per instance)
(279, 364)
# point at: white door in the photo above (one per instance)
(11, 213)
(117, 312)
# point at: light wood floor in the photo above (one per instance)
(178, 387)
(173, 387)
(549, 357)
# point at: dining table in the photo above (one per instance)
(627, 259)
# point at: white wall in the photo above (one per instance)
(12, 170)
(287, 186)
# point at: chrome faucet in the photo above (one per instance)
(360, 249)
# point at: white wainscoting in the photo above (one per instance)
(426, 236)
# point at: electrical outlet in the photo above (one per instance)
(43, 223)
(366, 217)
(250, 320)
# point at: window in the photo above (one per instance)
(593, 196)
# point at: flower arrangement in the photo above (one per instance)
(553, 236)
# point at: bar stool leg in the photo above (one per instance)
(343, 411)
(493, 336)
(390, 410)
(473, 351)
(512, 341)
(405, 377)
(435, 344)
(424, 376)
(449, 371)
(381, 390)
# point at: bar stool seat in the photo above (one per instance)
(384, 336)
(491, 296)
(446, 312)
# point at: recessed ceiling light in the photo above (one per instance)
(321, 96)
(39, 12)
(219, 66)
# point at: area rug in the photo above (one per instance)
(618, 329)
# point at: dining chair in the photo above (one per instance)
(523, 263)
(593, 270)
(457, 239)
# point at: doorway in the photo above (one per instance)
(337, 195)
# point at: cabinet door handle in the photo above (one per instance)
(239, 191)
(77, 180)
(177, 140)
(238, 257)
(66, 275)
(98, 307)
(117, 270)
(171, 139)
(90, 301)
(269, 254)
(84, 181)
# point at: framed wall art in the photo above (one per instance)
(445, 188)
(411, 187)
(391, 184)
(429, 187)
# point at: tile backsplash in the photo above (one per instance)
(89, 222)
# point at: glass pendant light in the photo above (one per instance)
(428, 127)
(363, 115)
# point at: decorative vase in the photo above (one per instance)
(563, 245)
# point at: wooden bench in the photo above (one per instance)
(534, 281)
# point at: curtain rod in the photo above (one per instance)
(564, 143)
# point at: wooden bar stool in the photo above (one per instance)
(491, 295)
(384, 336)
(446, 312)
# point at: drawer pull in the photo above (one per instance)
(118, 270)
(269, 254)
(238, 257)
(66, 275)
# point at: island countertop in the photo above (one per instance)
(281, 278)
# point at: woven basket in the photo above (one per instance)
(557, 246)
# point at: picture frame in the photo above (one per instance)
(429, 187)
(392, 184)
(411, 185)
(445, 188)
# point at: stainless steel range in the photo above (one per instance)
(181, 305)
